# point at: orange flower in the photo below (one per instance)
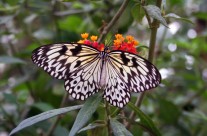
(129, 38)
(125, 44)
(84, 35)
(119, 37)
(94, 38)
(92, 42)
(81, 41)
(117, 42)
(136, 42)
(121, 43)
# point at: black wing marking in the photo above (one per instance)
(60, 60)
(77, 64)
(128, 72)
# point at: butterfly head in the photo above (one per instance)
(106, 49)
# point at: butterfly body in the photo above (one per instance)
(87, 70)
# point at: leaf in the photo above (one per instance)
(91, 126)
(155, 12)
(72, 21)
(169, 112)
(145, 121)
(43, 106)
(200, 15)
(43, 116)
(137, 12)
(85, 113)
(60, 131)
(43, 33)
(10, 98)
(9, 8)
(119, 129)
(172, 15)
(10, 60)
(29, 19)
(142, 46)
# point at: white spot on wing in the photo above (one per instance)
(53, 50)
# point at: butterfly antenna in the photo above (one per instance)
(109, 43)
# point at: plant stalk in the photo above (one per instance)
(154, 26)
(108, 117)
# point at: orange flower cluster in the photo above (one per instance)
(93, 41)
(127, 44)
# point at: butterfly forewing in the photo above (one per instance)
(60, 60)
(77, 64)
(138, 73)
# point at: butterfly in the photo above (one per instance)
(87, 70)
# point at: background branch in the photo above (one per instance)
(107, 28)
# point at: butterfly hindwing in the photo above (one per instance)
(116, 90)
(84, 82)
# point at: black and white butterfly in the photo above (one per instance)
(87, 70)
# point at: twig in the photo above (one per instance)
(55, 18)
(154, 26)
(117, 110)
(53, 126)
(113, 21)
(108, 118)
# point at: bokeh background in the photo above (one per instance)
(177, 106)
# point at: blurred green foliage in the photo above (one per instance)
(177, 106)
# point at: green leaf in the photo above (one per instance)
(10, 98)
(9, 8)
(91, 126)
(142, 46)
(155, 12)
(71, 23)
(85, 113)
(169, 112)
(172, 15)
(145, 121)
(137, 12)
(10, 60)
(119, 129)
(200, 15)
(43, 106)
(43, 116)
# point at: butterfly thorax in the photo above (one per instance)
(102, 79)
